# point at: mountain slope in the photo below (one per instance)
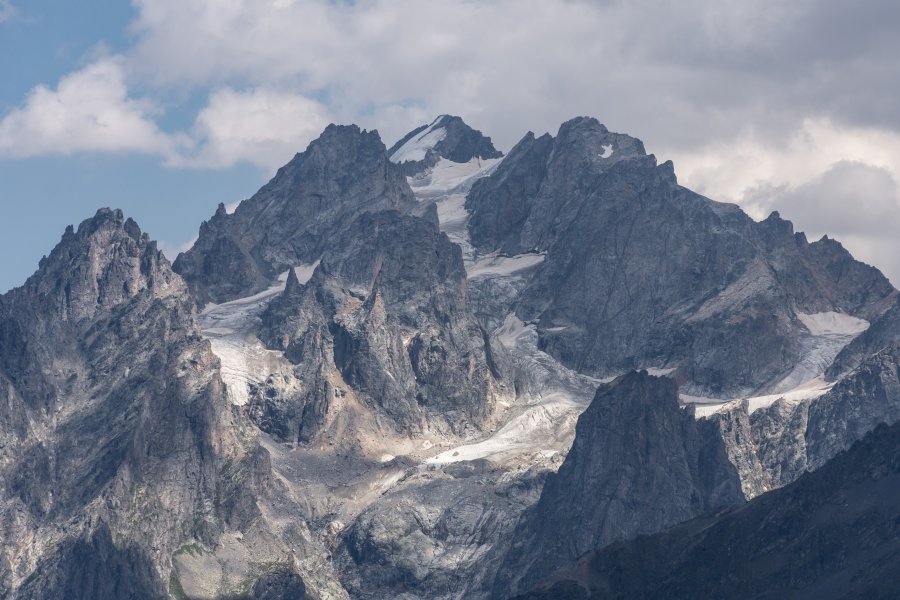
(385, 317)
(291, 219)
(835, 533)
(641, 272)
(639, 464)
(113, 421)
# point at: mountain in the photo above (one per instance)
(884, 333)
(771, 446)
(834, 533)
(639, 464)
(429, 372)
(641, 272)
(446, 137)
(385, 317)
(293, 217)
(115, 432)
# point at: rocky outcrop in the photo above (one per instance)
(639, 464)
(385, 317)
(834, 533)
(641, 272)
(293, 218)
(114, 429)
(433, 536)
(446, 137)
(500, 205)
(881, 335)
(774, 446)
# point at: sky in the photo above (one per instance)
(165, 108)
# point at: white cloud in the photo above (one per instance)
(680, 73)
(826, 178)
(763, 103)
(89, 111)
(7, 11)
(264, 127)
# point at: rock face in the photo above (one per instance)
(384, 315)
(392, 415)
(884, 333)
(641, 272)
(446, 137)
(113, 422)
(774, 446)
(433, 536)
(639, 464)
(834, 533)
(292, 219)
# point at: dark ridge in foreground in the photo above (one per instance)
(834, 533)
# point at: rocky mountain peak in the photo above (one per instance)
(291, 220)
(608, 490)
(587, 137)
(446, 137)
(104, 262)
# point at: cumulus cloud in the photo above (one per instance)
(857, 204)
(764, 103)
(264, 127)
(89, 111)
(733, 169)
(676, 73)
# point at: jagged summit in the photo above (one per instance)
(677, 273)
(414, 389)
(446, 137)
(291, 219)
(831, 534)
(680, 471)
(104, 262)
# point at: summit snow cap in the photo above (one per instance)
(446, 137)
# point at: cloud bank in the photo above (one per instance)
(768, 104)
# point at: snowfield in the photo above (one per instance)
(829, 332)
(833, 324)
(231, 330)
(419, 145)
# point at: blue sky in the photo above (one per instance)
(165, 108)
(41, 195)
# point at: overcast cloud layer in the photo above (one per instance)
(771, 104)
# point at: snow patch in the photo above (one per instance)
(230, 328)
(607, 151)
(832, 323)
(536, 428)
(418, 146)
(303, 272)
(554, 398)
(446, 185)
(494, 264)
(809, 390)
(659, 372)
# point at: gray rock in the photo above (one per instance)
(776, 445)
(883, 333)
(641, 272)
(832, 534)
(293, 218)
(460, 144)
(433, 536)
(385, 315)
(639, 464)
(114, 429)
